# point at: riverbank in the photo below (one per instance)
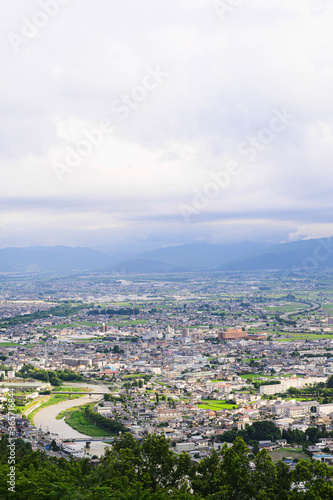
(49, 401)
(46, 418)
(77, 419)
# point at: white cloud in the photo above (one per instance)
(225, 80)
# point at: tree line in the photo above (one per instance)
(104, 423)
(63, 310)
(56, 377)
(149, 470)
(122, 311)
(266, 430)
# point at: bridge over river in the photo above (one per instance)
(74, 393)
(91, 440)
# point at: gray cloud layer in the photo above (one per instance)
(117, 119)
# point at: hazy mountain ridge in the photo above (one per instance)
(203, 255)
(306, 254)
(57, 259)
(198, 256)
(243, 256)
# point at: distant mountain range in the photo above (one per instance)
(243, 256)
(54, 259)
(196, 256)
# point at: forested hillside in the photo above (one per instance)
(151, 471)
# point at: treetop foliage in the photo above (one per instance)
(149, 470)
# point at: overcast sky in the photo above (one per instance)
(153, 123)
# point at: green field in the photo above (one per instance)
(287, 308)
(328, 307)
(87, 323)
(252, 376)
(123, 304)
(304, 336)
(76, 418)
(74, 325)
(86, 341)
(210, 404)
(130, 323)
(252, 359)
(300, 399)
(288, 452)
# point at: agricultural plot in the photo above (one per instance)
(210, 404)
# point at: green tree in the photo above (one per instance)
(314, 479)
(264, 480)
(329, 382)
(54, 445)
(204, 479)
(234, 472)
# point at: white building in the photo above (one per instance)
(298, 383)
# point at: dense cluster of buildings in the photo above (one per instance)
(220, 353)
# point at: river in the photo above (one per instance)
(46, 420)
